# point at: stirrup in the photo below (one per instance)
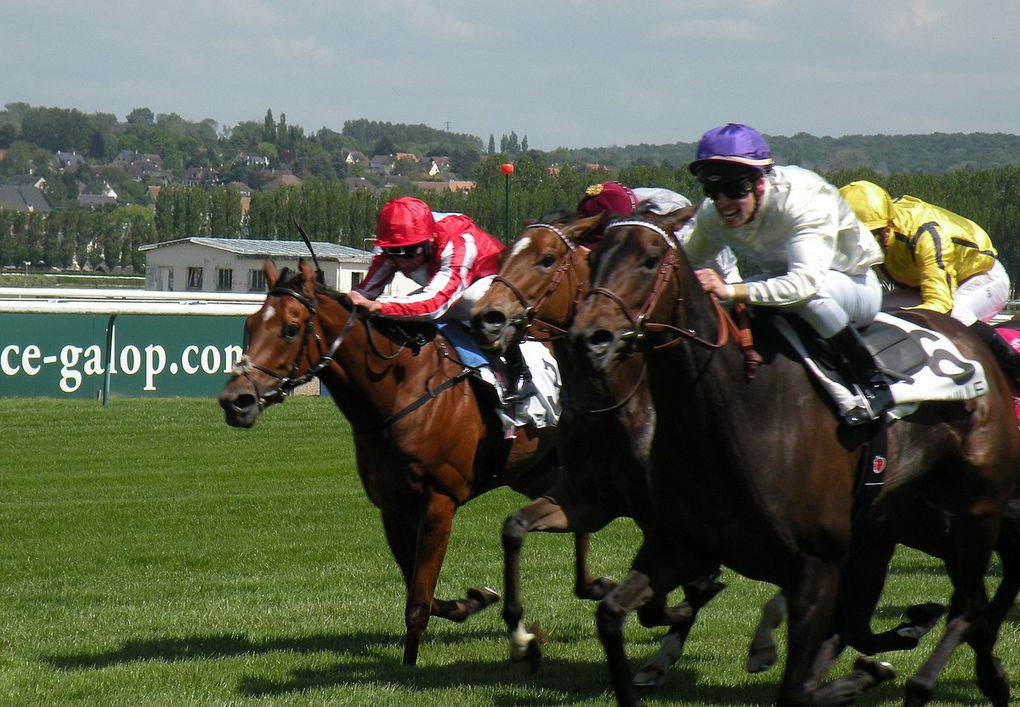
(876, 402)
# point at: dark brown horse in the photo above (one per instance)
(605, 429)
(767, 478)
(424, 444)
(605, 439)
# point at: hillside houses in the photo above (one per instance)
(104, 185)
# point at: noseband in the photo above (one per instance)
(668, 267)
(566, 262)
(286, 383)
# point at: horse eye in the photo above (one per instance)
(291, 331)
(547, 261)
(651, 262)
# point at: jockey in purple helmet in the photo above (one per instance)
(815, 257)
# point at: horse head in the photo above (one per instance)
(285, 346)
(540, 282)
(639, 278)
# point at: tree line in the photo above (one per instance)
(330, 211)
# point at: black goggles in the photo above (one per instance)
(737, 189)
(410, 251)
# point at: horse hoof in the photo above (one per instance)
(650, 676)
(597, 589)
(925, 613)
(762, 659)
(485, 597)
(529, 662)
(879, 670)
(919, 693)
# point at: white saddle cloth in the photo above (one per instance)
(947, 374)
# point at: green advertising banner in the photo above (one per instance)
(64, 355)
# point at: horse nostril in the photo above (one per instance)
(244, 402)
(493, 318)
(599, 339)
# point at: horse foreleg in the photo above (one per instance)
(433, 538)
(810, 608)
(586, 585)
(681, 620)
(1008, 549)
(631, 593)
(763, 654)
(970, 548)
(542, 514)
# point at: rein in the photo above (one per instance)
(566, 262)
(288, 382)
(669, 267)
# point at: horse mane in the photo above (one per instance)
(644, 208)
(398, 331)
(559, 216)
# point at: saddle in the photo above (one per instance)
(536, 397)
(921, 364)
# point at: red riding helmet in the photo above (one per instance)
(403, 222)
(607, 198)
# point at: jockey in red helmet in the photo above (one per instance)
(451, 258)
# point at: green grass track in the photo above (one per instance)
(151, 555)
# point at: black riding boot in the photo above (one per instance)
(518, 375)
(860, 367)
(1006, 355)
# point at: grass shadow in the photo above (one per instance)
(231, 645)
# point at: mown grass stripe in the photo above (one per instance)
(150, 555)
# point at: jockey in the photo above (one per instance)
(614, 200)
(945, 258)
(815, 256)
(453, 260)
(450, 257)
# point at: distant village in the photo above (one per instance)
(27, 192)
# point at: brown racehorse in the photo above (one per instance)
(424, 445)
(604, 432)
(766, 485)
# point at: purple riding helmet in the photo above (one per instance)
(735, 145)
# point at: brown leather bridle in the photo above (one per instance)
(668, 267)
(528, 320)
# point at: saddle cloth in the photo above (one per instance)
(539, 399)
(1012, 337)
(923, 365)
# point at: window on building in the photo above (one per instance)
(356, 278)
(256, 281)
(194, 278)
(224, 279)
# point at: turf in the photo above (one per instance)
(151, 555)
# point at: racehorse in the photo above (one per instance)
(605, 428)
(426, 442)
(767, 479)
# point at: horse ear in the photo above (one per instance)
(583, 226)
(272, 277)
(307, 278)
(672, 221)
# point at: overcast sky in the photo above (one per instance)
(561, 72)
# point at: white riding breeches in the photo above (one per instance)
(842, 299)
(982, 296)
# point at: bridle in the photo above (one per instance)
(528, 320)
(668, 267)
(287, 382)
